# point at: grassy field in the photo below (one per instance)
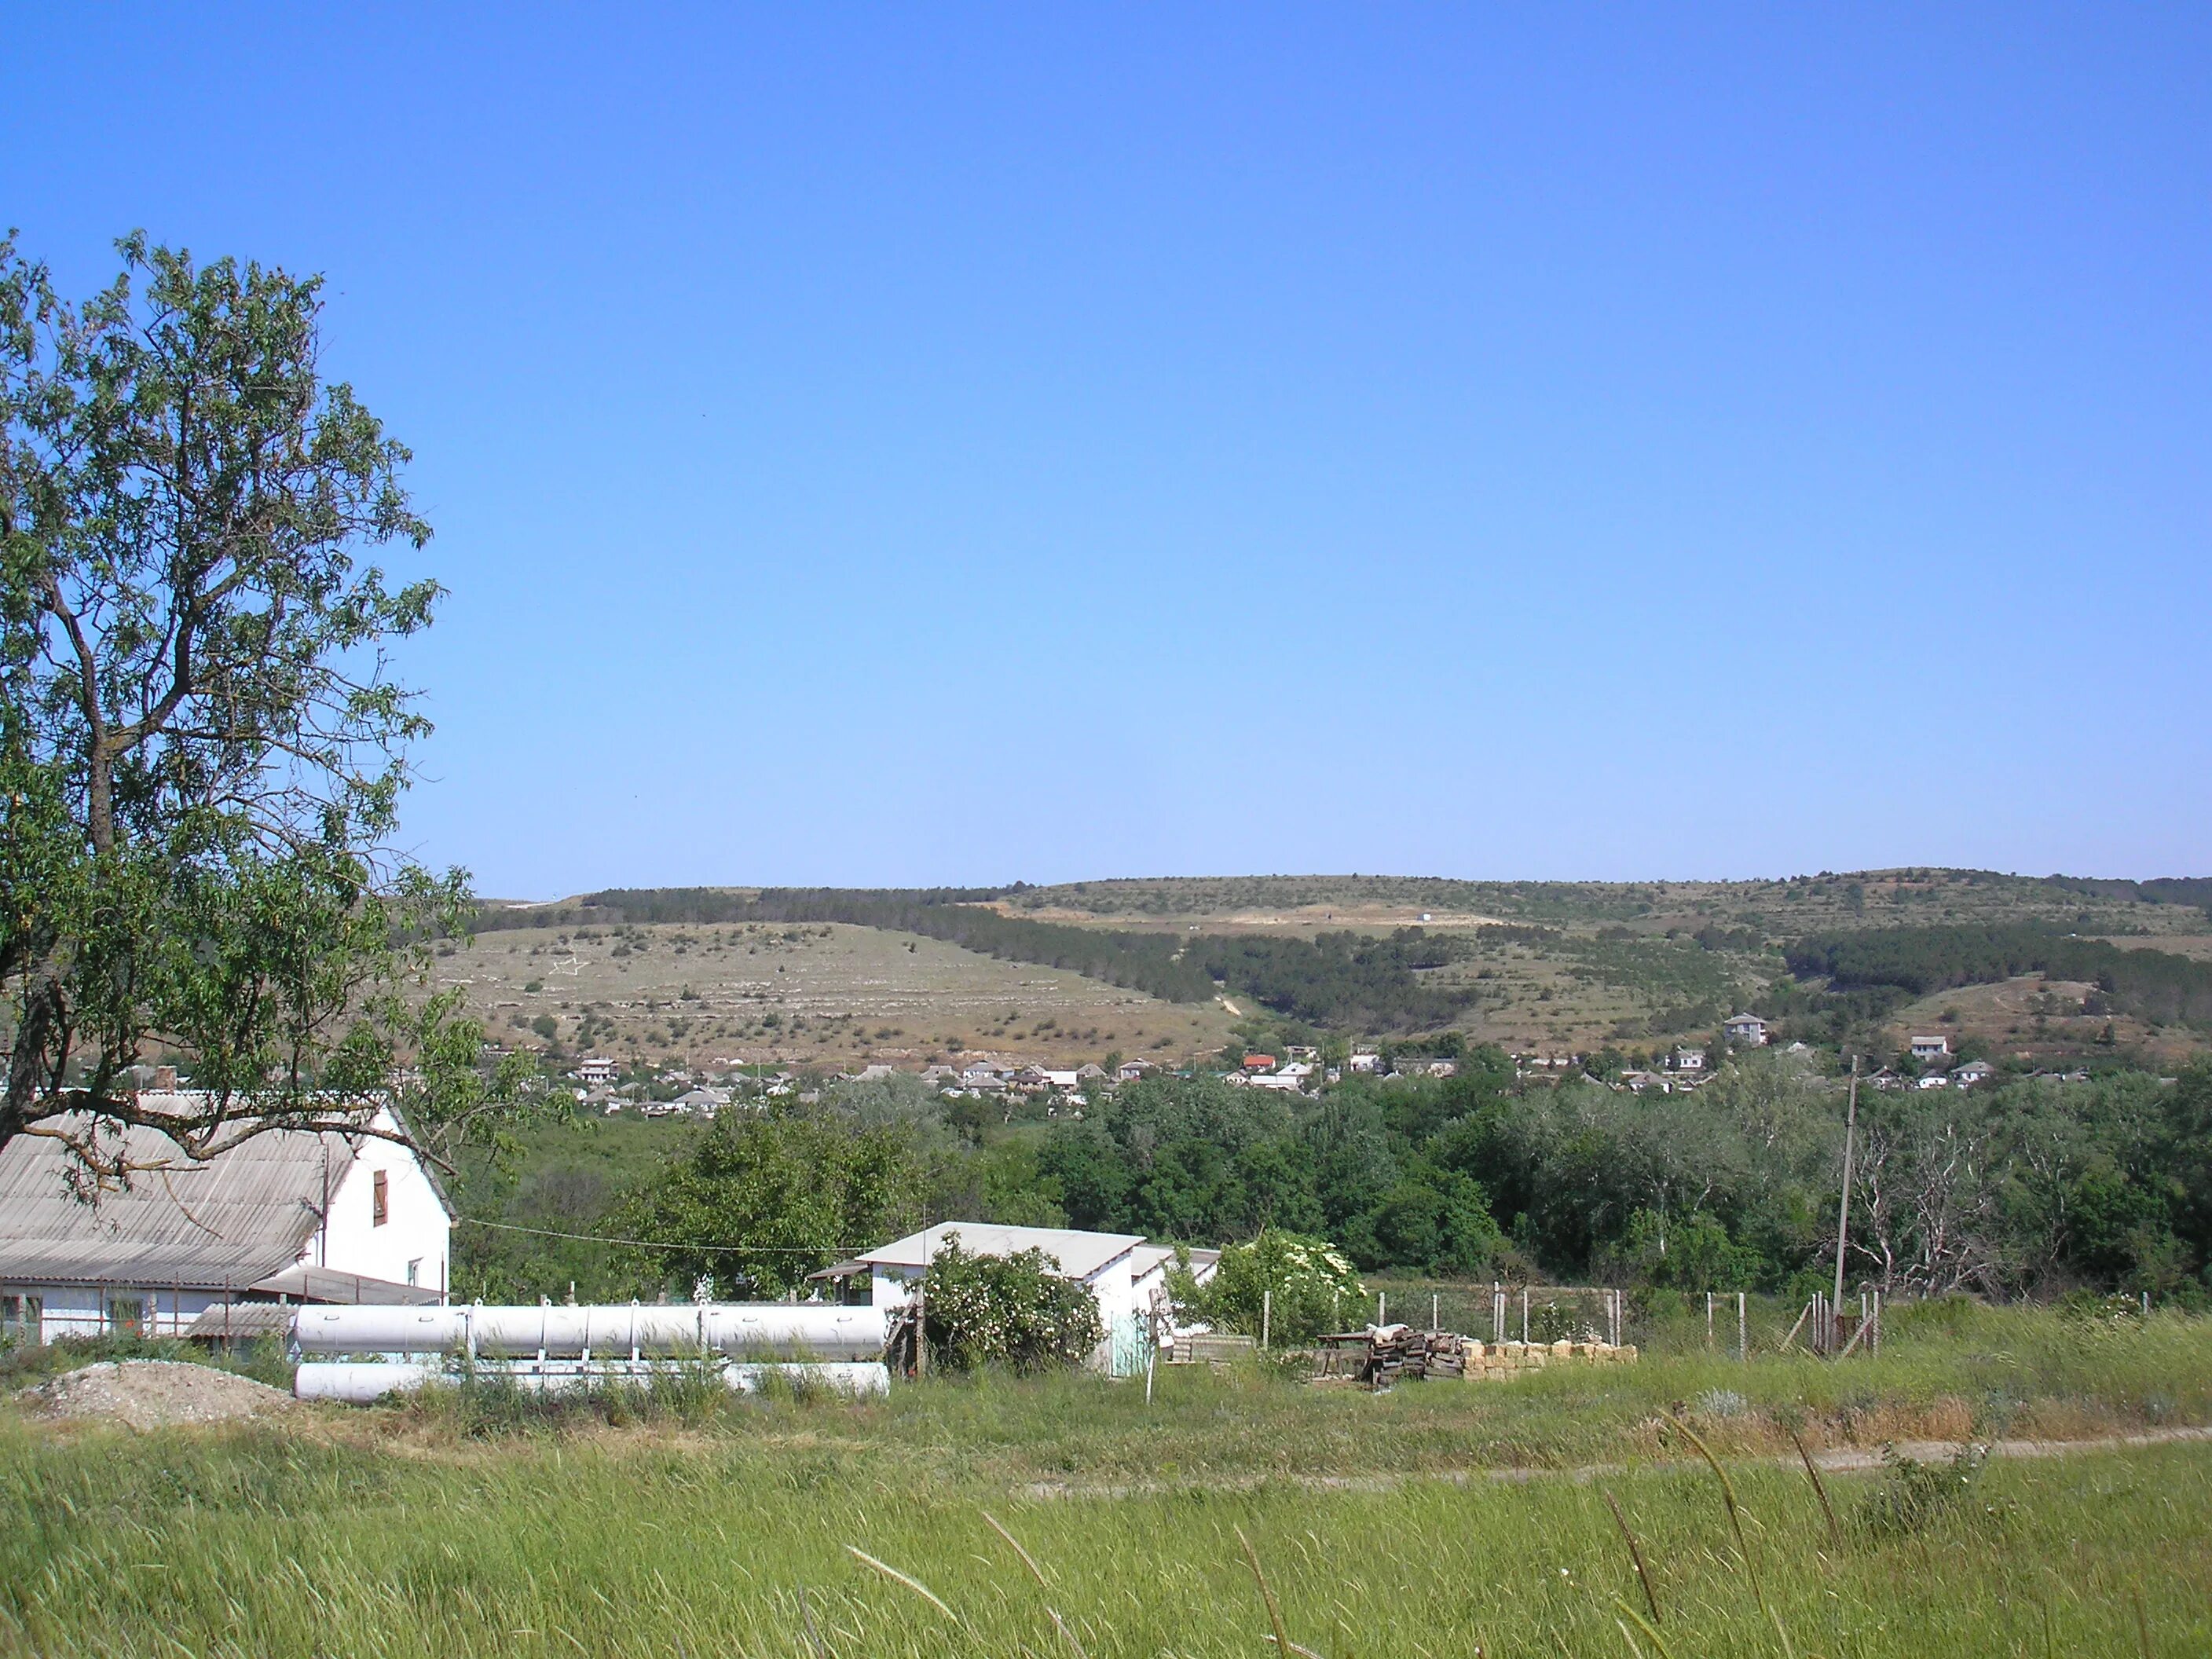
(475, 1528)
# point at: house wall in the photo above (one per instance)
(90, 1310)
(413, 1246)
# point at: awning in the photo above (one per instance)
(304, 1283)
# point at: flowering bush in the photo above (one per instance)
(1314, 1286)
(1013, 1311)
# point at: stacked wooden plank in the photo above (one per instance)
(1381, 1356)
(1208, 1348)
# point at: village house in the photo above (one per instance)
(285, 1216)
(1134, 1070)
(1417, 1066)
(1745, 1030)
(1121, 1270)
(1366, 1062)
(593, 1072)
(1686, 1060)
(1932, 1047)
(1974, 1072)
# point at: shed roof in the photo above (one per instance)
(1081, 1254)
(232, 1221)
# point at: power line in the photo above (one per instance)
(667, 1243)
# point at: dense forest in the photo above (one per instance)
(2034, 1187)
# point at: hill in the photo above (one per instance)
(1171, 965)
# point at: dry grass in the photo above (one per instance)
(838, 995)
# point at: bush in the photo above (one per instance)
(1312, 1283)
(1914, 1495)
(1014, 1311)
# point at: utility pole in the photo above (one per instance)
(1844, 1206)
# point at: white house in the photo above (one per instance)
(1747, 1030)
(1974, 1072)
(1120, 1269)
(1365, 1061)
(1686, 1060)
(1930, 1048)
(288, 1214)
(593, 1072)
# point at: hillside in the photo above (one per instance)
(1169, 966)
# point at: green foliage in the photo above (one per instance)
(1915, 1496)
(201, 742)
(755, 1202)
(1691, 1253)
(1345, 980)
(1306, 1286)
(1014, 1312)
(2155, 985)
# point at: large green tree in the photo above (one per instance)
(759, 1201)
(202, 744)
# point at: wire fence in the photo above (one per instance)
(1724, 1322)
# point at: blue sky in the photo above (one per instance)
(923, 445)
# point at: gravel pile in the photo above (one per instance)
(153, 1394)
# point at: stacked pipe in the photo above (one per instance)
(552, 1349)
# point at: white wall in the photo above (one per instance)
(82, 1309)
(416, 1232)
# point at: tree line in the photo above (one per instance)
(2033, 1187)
(2153, 985)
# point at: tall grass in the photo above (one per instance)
(470, 1524)
(254, 1544)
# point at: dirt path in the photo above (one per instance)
(1839, 1460)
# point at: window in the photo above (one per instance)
(415, 1270)
(126, 1315)
(20, 1316)
(380, 1199)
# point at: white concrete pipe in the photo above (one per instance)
(360, 1384)
(826, 1331)
(381, 1329)
(357, 1383)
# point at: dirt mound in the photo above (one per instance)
(153, 1394)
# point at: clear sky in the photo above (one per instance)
(916, 444)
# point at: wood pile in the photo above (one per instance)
(1207, 1348)
(1381, 1356)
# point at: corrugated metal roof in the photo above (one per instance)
(239, 1219)
(1081, 1254)
(305, 1282)
(235, 1321)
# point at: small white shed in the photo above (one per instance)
(1121, 1270)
